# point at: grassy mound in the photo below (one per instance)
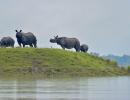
(54, 62)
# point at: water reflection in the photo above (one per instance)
(17, 90)
(66, 89)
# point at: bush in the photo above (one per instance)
(128, 68)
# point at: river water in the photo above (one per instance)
(105, 88)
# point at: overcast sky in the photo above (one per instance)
(102, 24)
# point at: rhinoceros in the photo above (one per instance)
(26, 39)
(66, 42)
(7, 42)
(84, 48)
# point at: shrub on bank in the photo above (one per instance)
(128, 68)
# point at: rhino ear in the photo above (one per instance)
(57, 36)
(20, 31)
(16, 31)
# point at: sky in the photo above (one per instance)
(104, 25)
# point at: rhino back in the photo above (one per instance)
(28, 38)
(7, 39)
(69, 42)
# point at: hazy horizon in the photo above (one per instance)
(102, 24)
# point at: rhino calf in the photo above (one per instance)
(84, 48)
(7, 42)
(66, 42)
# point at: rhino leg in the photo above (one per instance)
(31, 45)
(23, 45)
(63, 47)
(35, 45)
(20, 44)
(84, 51)
(77, 48)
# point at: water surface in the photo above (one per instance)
(107, 88)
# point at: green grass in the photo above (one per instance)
(54, 62)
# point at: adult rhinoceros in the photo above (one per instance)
(66, 42)
(7, 42)
(26, 38)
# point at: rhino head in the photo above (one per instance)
(54, 40)
(18, 34)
